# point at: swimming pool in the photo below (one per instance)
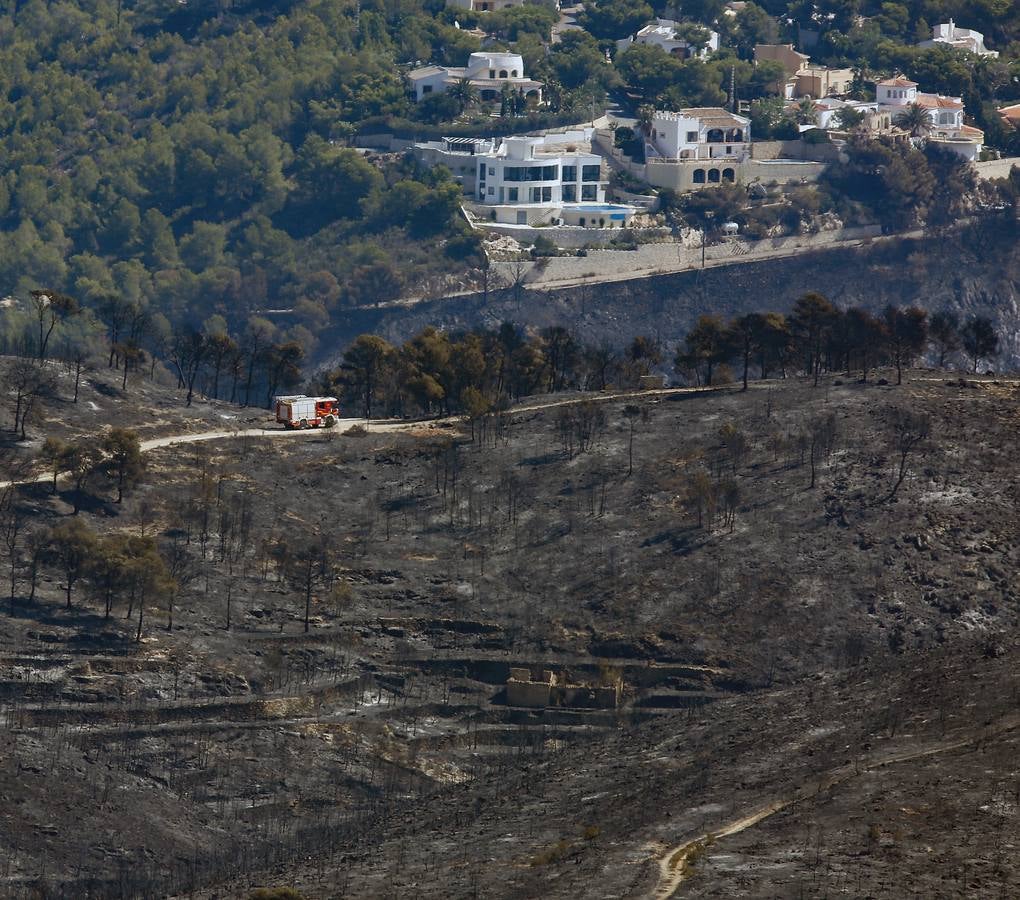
(598, 207)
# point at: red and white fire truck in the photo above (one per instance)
(300, 411)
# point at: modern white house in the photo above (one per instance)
(523, 172)
(699, 133)
(949, 35)
(551, 179)
(663, 33)
(945, 115)
(487, 72)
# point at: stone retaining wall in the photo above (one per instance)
(648, 259)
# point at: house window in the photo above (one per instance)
(569, 193)
(513, 73)
(590, 173)
(713, 176)
(570, 173)
(426, 89)
(581, 221)
(492, 73)
(589, 192)
(492, 171)
(546, 194)
(699, 176)
(692, 137)
(502, 73)
(492, 191)
(511, 194)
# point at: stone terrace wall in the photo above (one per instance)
(672, 257)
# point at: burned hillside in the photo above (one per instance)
(348, 608)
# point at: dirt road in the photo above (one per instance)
(674, 863)
(372, 426)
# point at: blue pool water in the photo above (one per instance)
(596, 207)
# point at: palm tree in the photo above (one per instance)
(804, 113)
(464, 92)
(914, 119)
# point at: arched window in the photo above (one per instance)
(713, 176)
(513, 73)
(699, 176)
(502, 73)
(716, 136)
(729, 175)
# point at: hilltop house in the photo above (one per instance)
(541, 180)
(949, 35)
(495, 5)
(705, 133)
(487, 72)
(801, 79)
(662, 33)
(945, 115)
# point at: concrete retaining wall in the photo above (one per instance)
(648, 259)
(572, 236)
(997, 168)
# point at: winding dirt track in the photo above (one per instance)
(673, 864)
(373, 426)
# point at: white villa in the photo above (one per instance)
(945, 115)
(493, 5)
(662, 33)
(826, 109)
(706, 133)
(529, 180)
(949, 35)
(487, 72)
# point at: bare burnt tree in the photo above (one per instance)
(909, 432)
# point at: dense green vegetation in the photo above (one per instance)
(191, 159)
(479, 373)
(187, 162)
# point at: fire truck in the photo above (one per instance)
(300, 411)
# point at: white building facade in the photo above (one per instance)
(517, 172)
(700, 133)
(488, 74)
(949, 35)
(945, 115)
(662, 33)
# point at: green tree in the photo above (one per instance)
(367, 362)
(944, 331)
(71, 546)
(979, 339)
(907, 331)
(124, 461)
